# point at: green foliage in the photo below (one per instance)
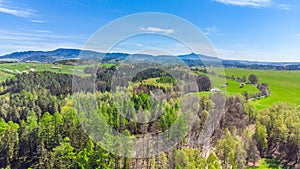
(46, 131)
(253, 79)
(163, 162)
(166, 79)
(251, 111)
(84, 157)
(261, 137)
(279, 125)
(225, 149)
(204, 83)
(42, 127)
(168, 118)
(190, 158)
(231, 152)
(267, 163)
(213, 161)
(178, 166)
(141, 101)
(150, 73)
(8, 141)
(65, 154)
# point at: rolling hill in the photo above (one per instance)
(191, 59)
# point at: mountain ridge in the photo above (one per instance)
(190, 59)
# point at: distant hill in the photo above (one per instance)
(191, 59)
(262, 65)
(43, 56)
(67, 54)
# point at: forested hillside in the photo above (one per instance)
(41, 125)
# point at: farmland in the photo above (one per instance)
(284, 85)
(10, 69)
(36, 66)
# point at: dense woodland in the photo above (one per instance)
(41, 127)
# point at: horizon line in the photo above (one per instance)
(222, 59)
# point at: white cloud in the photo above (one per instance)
(37, 21)
(12, 41)
(44, 35)
(24, 13)
(16, 11)
(42, 31)
(157, 30)
(253, 3)
(209, 30)
(283, 6)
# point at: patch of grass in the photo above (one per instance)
(267, 164)
(153, 82)
(4, 76)
(37, 67)
(233, 87)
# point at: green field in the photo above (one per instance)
(59, 68)
(284, 85)
(37, 67)
(4, 76)
(233, 87)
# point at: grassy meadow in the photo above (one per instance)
(284, 85)
(4, 75)
(233, 87)
(37, 67)
(58, 68)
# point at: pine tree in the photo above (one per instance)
(64, 154)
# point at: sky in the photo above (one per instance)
(261, 30)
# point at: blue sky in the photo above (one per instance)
(265, 30)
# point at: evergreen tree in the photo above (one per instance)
(64, 154)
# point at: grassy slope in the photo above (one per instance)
(37, 67)
(67, 69)
(3, 75)
(233, 86)
(284, 85)
(152, 81)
